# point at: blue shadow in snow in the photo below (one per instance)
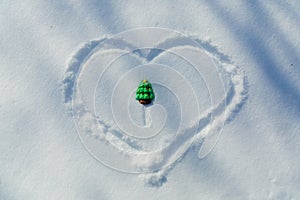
(255, 39)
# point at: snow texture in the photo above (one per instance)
(181, 70)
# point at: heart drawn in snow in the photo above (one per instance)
(197, 90)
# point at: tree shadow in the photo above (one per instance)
(104, 13)
(255, 36)
(214, 175)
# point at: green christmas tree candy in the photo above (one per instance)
(144, 93)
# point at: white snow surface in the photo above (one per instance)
(59, 118)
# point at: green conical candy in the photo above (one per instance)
(145, 91)
(151, 96)
(146, 96)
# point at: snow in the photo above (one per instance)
(62, 112)
(101, 81)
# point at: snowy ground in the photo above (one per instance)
(51, 149)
